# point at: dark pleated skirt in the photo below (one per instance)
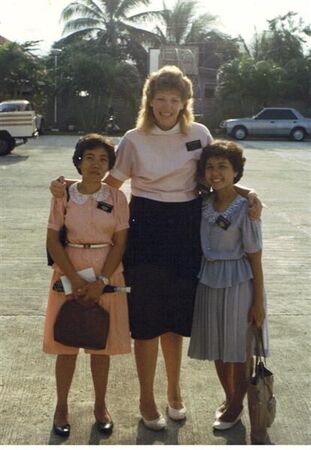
(161, 266)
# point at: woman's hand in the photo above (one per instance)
(257, 314)
(77, 284)
(255, 206)
(90, 293)
(58, 187)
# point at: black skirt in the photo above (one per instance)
(162, 262)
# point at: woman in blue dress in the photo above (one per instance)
(230, 293)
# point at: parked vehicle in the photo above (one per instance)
(270, 122)
(17, 124)
(23, 105)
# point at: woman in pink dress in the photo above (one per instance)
(96, 218)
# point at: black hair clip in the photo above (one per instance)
(223, 223)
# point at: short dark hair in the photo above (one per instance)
(222, 149)
(89, 142)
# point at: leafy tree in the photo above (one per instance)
(21, 73)
(218, 48)
(91, 82)
(275, 70)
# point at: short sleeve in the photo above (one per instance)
(57, 213)
(251, 234)
(122, 169)
(122, 211)
(209, 137)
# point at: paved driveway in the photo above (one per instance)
(280, 172)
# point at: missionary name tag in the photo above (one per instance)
(223, 223)
(105, 206)
(193, 145)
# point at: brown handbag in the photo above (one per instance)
(80, 326)
(261, 400)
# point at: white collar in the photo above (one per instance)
(77, 197)
(174, 130)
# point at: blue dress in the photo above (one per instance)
(225, 289)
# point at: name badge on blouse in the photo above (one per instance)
(193, 145)
(105, 206)
(223, 223)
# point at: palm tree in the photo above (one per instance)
(182, 25)
(110, 22)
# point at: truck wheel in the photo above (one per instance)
(239, 133)
(5, 146)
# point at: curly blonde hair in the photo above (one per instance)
(167, 78)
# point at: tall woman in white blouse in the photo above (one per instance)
(163, 255)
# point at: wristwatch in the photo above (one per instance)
(104, 279)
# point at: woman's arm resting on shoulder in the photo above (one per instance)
(255, 204)
(58, 187)
(257, 311)
(113, 182)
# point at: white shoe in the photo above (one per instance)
(156, 424)
(220, 425)
(176, 414)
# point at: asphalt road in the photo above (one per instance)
(280, 172)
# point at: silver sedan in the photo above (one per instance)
(272, 122)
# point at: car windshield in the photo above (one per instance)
(13, 107)
(8, 107)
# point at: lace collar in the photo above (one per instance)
(174, 130)
(209, 213)
(100, 196)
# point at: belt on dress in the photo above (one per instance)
(70, 244)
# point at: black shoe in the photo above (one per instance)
(62, 430)
(104, 427)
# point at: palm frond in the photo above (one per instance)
(161, 35)
(145, 16)
(126, 5)
(141, 35)
(82, 24)
(85, 8)
(200, 27)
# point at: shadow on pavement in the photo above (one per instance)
(96, 437)
(168, 436)
(234, 436)
(12, 159)
(56, 440)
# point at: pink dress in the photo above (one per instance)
(85, 224)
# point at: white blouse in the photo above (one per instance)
(161, 164)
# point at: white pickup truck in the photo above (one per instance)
(18, 122)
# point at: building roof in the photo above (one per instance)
(3, 40)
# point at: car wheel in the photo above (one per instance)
(239, 133)
(298, 134)
(5, 147)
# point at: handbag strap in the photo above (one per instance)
(259, 345)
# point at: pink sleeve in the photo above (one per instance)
(57, 213)
(122, 211)
(122, 169)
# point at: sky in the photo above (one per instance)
(25, 20)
